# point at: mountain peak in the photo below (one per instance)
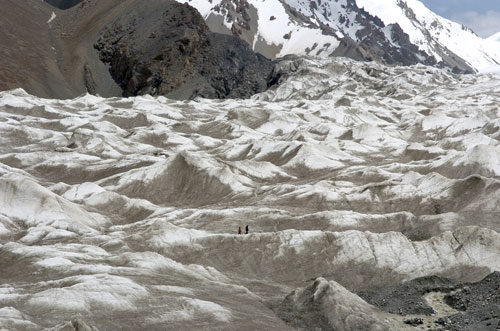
(495, 37)
(390, 32)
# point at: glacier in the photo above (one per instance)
(122, 213)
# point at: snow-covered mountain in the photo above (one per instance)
(123, 213)
(431, 32)
(391, 31)
(495, 37)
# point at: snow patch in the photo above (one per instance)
(52, 17)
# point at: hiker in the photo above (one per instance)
(239, 229)
(246, 229)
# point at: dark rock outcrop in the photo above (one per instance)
(167, 49)
(63, 4)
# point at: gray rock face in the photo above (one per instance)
(165, 48)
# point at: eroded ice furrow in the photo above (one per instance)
(124, 212)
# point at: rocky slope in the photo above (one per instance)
(448, 305)
(26, 58)
(354, 180)
(115, 48)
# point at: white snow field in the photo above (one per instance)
(122, 214)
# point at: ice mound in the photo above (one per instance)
(75, 324)
(25, 201)
(194, 309)
(481, 160)
(331, 306)
(83, 293)
(185, 178)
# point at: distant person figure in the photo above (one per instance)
(246, 229)
(239, 229)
